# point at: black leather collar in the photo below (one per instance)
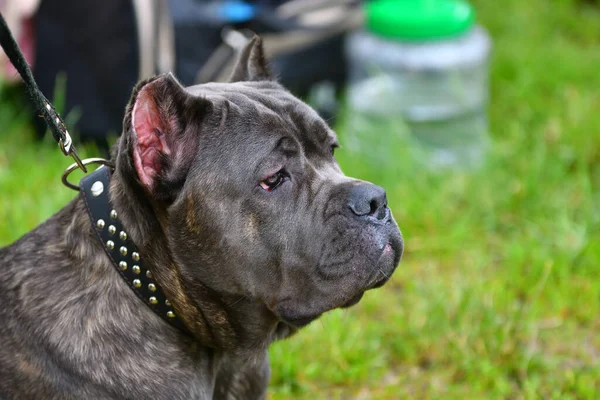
(119, 247)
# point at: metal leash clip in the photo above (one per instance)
(65, 144)
(69, 149)
(87, 161)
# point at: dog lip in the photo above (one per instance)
(293, 318)
(391, 253)
(379, 283)
(300, 321)
(353, 300)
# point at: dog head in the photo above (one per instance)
(250, 200)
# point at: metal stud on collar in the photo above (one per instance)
(97, 188)
(119, 247)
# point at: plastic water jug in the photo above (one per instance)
(419, 68)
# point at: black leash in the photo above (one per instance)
(43, 107)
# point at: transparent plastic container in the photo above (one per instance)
(427, 81)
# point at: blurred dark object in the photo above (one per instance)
(106, 47)
(303, 38)
(94, 44)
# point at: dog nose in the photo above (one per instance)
(369, 200)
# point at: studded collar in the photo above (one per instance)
(119, 247)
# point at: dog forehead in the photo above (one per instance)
(269, 107)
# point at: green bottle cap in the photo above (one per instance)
(419, 20)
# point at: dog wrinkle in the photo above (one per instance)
(252, 226)
(191, 220)
(198, 317)
(225, 109)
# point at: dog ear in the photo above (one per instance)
(252, 64)
(164, 124)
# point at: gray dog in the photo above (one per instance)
(241, 213)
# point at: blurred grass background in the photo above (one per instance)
(498, 295)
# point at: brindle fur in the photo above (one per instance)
(238, 265)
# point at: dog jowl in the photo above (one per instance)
(233, 196)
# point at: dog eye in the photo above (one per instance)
(272, 182)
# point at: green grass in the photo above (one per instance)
(30, 172)
(498, 295)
